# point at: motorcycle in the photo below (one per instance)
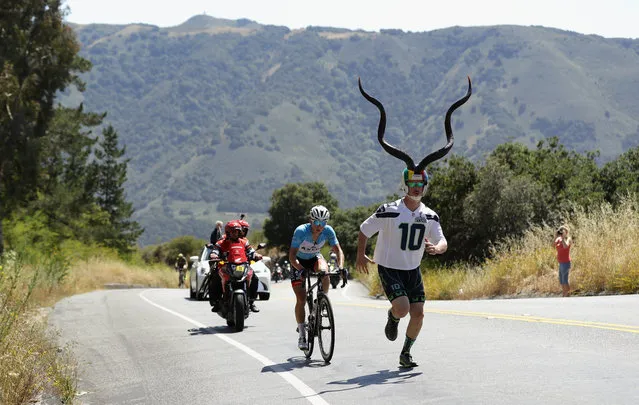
(334, 278)
(277, 274)
(286, 271)
(342, 275)
(236, 274)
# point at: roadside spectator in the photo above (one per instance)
(217, 233)
(563, 243)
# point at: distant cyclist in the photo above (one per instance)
(304, 253)
(180, 267)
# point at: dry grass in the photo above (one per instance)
(95, 273)
(32, 363)
(604, 261)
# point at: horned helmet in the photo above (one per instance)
(416, 173)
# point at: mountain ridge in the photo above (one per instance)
(285, 103)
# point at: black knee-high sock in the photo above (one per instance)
(408, 343)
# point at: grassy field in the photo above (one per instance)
(32, 362)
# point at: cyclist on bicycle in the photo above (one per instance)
(304, 253)
(180, 267)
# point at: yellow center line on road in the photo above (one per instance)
(521, 318)
(539, 319)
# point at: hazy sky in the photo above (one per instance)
(610, 18)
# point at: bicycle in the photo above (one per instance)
(321, 322)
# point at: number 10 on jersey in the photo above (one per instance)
(412, 236)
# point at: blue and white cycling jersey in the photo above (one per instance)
(308, 248)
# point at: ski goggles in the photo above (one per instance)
(317, 222)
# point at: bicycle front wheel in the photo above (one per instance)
(325, 328)
(310, 336)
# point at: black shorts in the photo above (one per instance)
(402, 283)
(297, 276)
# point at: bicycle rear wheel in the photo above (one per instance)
(325, 328)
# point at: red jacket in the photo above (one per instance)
(239, 251)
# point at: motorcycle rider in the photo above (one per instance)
(343, 272)
(286, 269)
(255, 280)
(277, 272)
(180, 267)
(245, 228)
(233, 240)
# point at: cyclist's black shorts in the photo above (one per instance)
(402, 283)
(297, 276)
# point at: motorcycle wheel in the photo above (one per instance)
(238, 312)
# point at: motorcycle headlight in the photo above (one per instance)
(238, 269)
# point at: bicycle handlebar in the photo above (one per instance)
(322, 273)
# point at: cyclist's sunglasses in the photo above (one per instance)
(317, 222)
(415, 184)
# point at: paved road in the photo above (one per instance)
(156, 346)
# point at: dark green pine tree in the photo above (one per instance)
(38, 58)
(121, 232)
(66, 191)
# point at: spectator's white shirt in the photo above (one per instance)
(402, 232)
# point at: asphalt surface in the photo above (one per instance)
(156, 346)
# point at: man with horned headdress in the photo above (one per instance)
(406, 229)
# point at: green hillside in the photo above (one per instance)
(216, 114)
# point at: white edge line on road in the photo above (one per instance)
(312, 396)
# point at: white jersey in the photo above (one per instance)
(402, 232)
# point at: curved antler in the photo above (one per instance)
(382, 127)
(449, 132)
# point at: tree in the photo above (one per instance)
(290, 206)
(450, 184)
(501, 205)
(38, 58)
(621, 176)
(110, 171)
(346, 224)
(66, 191)
(565, 176)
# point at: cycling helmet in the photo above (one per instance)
(234, 225)
(320, 213)
(245, 226)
